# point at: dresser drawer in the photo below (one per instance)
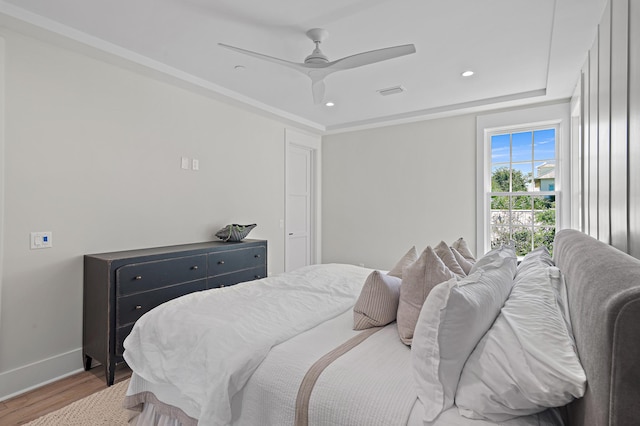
(121, 334)
(144, 276)
(224, 262)
(130, 308)
(236, 277)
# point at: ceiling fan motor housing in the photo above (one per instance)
(316, 57)
(317, 35)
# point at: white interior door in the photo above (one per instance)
(2, 157)
(302, 220)
(299, 202)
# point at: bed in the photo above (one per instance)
(292, 349)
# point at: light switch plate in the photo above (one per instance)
(185, 163)
(40, 240)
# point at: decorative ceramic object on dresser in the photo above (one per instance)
(120, 287)
(235, 232)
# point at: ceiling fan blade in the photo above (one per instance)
(371, 57)
(294, 65)
(317, 87)
(317, 71)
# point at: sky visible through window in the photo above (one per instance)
(523, 158)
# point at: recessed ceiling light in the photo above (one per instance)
(239, 67)
(467, 73)
(329, 104)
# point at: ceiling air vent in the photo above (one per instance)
(391, 90)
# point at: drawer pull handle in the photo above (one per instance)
(221, 285)
(138, 277)
(258, 277)
(258, 256)
(221, 262)
(194, 267)
(138, 307)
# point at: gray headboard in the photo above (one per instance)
(603, 286)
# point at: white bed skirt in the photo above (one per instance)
(150, 416)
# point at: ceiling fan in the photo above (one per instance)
(317, 66)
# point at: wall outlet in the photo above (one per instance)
(195, 164)
(40, 240)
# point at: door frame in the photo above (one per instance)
(312, 143)
(2, 161)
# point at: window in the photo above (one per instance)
(522, 197)
(531, 215)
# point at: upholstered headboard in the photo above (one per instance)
(603, 286)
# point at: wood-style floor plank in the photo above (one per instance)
(29, 406)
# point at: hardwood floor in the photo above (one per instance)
(31, 405)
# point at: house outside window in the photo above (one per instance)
(522, 197)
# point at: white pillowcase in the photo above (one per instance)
(453, 319)
(495, 258)
(539, 256)
(527, 361)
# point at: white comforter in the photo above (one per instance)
(207, 344)
(362, 387)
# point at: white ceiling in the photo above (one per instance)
(521, 51)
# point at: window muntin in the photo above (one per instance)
(522, 196)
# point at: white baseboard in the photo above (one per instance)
(23, 379)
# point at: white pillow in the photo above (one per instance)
(560, 290)
(453, 319)
(542, 257)
(527, 361)
(539, 256)
(377, 304)
(494, 258)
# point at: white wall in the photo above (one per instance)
(92, 153)
(610, 139)
(387, 189)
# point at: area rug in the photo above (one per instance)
(100, 408)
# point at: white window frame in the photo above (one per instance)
(548, 115)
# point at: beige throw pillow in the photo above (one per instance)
(465, 264)
(444, 252)
(378, 302)
(418, 280)
(406, 260)
(463, 248)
